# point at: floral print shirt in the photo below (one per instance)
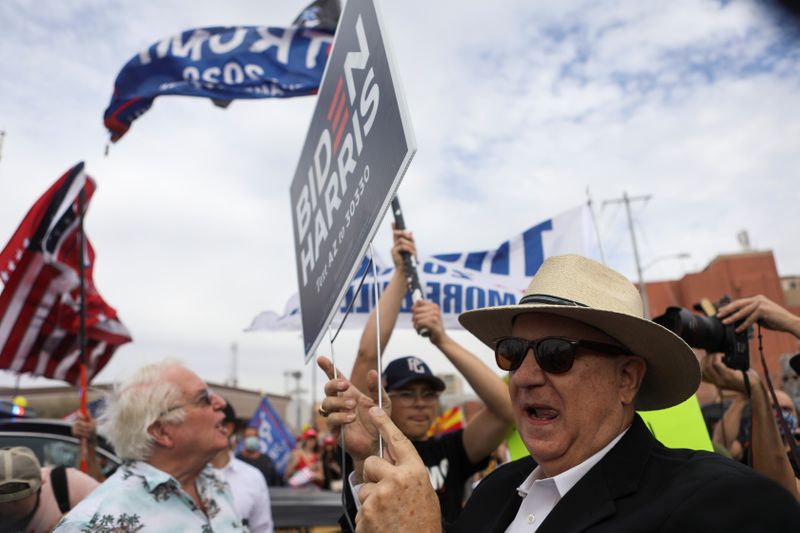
(140, 497)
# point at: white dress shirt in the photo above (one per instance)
(541, 494)
(250, 494)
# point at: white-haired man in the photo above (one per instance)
(166, 424)
(581, 360)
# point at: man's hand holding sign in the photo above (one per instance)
(400, 471)
(344, 405)
(385, 479)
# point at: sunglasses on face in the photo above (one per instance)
(554, 355)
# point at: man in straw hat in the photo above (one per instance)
(581, 360)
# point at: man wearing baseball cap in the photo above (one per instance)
(28, 499)
(452, 458)
(581, 360)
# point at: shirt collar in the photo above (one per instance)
(153, 477)
(230, 466)
(150, 475)
(567, 479)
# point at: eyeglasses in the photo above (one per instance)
(408, 397)
(554, 355)
(203, 400)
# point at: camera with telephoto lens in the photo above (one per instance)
(710, 334)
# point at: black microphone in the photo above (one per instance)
(410, 263)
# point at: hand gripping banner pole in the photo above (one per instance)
(409, 262)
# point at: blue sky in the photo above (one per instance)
(517, 108)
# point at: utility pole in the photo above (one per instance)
(298, 390)
(596, 227)
(234, 365)
(2, 136)
(627, 201)
(296, 394)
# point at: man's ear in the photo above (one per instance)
(632, 369)
(161, 434)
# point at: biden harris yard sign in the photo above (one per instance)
(358, 147)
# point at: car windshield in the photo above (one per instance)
(55, 451)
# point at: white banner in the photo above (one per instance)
(462, 281)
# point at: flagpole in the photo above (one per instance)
(84, 408)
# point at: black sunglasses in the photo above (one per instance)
(554, 355)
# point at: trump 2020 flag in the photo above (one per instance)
(276, 439)
(226, 63)
(462, 281)
(40, 303)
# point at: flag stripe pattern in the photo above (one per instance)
(40, 302)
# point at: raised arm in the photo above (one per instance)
(489, 427)
(84, 427)
(390, 302)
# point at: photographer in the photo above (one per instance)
(769, 453)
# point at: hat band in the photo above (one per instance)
(549, 300)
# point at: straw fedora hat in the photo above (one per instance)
(587, 291)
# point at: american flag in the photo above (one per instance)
(40, 301)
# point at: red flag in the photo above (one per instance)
(450, 420)
(40, 303)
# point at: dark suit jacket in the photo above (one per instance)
(640, 485)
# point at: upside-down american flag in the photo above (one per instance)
(40, 302)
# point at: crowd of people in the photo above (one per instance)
(580, 360)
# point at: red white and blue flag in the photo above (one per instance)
(40, 301)
(226, 63)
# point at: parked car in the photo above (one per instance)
(52, 442)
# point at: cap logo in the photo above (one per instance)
(415, 365)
